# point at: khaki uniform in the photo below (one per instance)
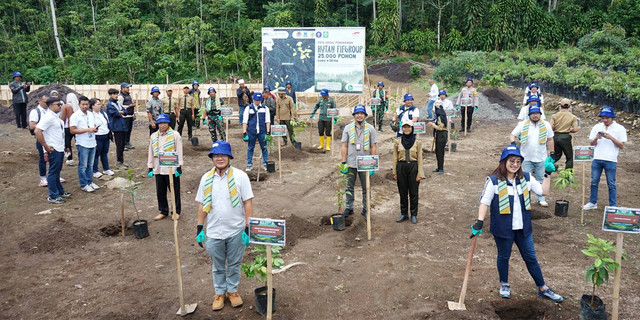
(562, 123)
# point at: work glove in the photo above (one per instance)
(150, 173)
(200, 235)
(475, 108)
(345, 169)
(373, 108)
(476, 228)
(178, 172)
(311, 116)
(549, 165)
(457, 107)
(245, 236)
(386, 109)
(204, 121)
(513, 143)
(219, 118)
(371, 173)
(335, 121)
(245, 137)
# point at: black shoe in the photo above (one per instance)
(380, 130)
(462, 130)
(66, 194)
(436, 170)
(347, 212)
(402, 218)
(440, 171)
(284, 143)
(130, 146)
(414, 220)
(469, 129)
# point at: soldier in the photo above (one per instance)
(213, 115)
(383, 95)
(324, 122)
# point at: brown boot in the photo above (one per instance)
(235, 299)
(218, 302)
(160, 216)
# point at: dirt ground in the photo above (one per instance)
(70, 264)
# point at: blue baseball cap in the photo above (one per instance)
(257, 96)
(324, 92)
(470, 79)
(17, 74)
(534, 98)
(267, 88)
(288, 82)
(125, 85)
(195, 82)
(220, 147)
(380, 83)
(155, 89)
(163, 118)
(408, 96)
(607, 111)
(212, 89)
(442, 92)
(511, 150)
(534, 109)
(359, 108)
(534, 85)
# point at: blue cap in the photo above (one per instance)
(510, 150)
(17, 74)
(535, 98)
(163, 118)
(220, 147)
(288, 82)
(442, 92)
(125, 85)
(534, 109)
(380, 83)
(155, 89)
(470, 79)
(212, 89)
(360, 108)
(607, 111)
(534, 85)
(324, 92)
(195, 82)
(267, 88)
(257, 96)
(408, 96)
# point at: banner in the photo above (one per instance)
(314, 58)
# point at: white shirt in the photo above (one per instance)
(487, 197)
(415, 114)
(225, 221)
(33, 115)
(248, 111)
(433, 93)
(53, 131)
(532, 150)
(447, 104)
(605, 149)
(80, 120)
(102, 123)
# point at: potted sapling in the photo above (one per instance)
(140, 226)
(566, 180)
(602, 252)
(257, 269)
(298, 126)
(271, 165)
(454, 137)
(342, 177)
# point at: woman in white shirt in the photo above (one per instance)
(103, 137)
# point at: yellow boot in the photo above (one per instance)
(321, 146)
(328, 144)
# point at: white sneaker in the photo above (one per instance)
(66, 154)
(249, 168)
(590, 206)
(97, 175)
(43, 182)
(109, 172)
(544, 203)
(94, 186)
(71, 162)
(87, 188)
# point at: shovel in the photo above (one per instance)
(460, 304)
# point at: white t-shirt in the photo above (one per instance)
(447, 104)
(80, 120)
(102, 122)
(225, 221)
(33, 115)
(487, 197)
(53, 131)
(415, 114)
(433, 93)
(532, 150)
(605, 149)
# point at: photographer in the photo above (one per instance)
(19, 90)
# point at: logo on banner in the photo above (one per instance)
(318, 34)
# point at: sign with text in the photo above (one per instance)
(333, 112)
(583, 153)
(168, 159)
(450, 112)
(278, 130)
(368, 163)
(419, 127)
(226, 111)
(375, 101)
(579, 122)
(267, 231)
(617, 219)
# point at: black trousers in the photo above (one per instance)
(469, 114)
(289, 129)
(20, 110)
(162, 185)
(562, 145)
(408, 186)
(67, 142)
(152, 130)
(441, 142)
(127, 137)
(324, 128)
(172, 120)
(118, 137)
(185, 115)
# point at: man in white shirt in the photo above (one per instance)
(405, 112)
(433, 96)
(34, 117)
(536, 144)
(50, 134)
(608, 137)
(225, 198)
(83, 124)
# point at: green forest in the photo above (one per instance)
(145, 40)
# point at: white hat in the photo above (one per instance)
(407, 122)
(241, 81)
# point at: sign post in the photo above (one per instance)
(332, 113)
(368, 164)
(450, 113)
(621, 221)
(279, 131)
(226, 112)
(583, 154)
(270, 233)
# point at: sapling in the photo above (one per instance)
(603, 252)
(132, 189)
(257, 268)
(565, 179)
(341, 184)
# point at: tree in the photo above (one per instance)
(321, 14)
(55, 30)
(439, 5)
(383, 29)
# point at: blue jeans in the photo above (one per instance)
(263, 145)
(225, 251)
(610, 171)
(536, 169)
(241, 113)
(527, 251)
(42, 166)
(53, 179)
(430, 109)
(85, 164)
(102, 152)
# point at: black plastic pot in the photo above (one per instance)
(261, 300)
(562, 208)
(586, 313)
(298, 145)
(454, 147)
(194, 141)
(271, 166)
(337, 222)
(140, 229)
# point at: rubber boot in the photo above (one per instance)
(328, 144)
(321, 146)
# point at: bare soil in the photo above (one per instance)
(72, 263)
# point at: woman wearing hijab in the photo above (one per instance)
(440, 132)
(407, 170)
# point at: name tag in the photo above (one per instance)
(358, 146)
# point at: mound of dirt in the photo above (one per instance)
(58, 235)
(6, 114)
(396, 72)
(299, 228)
(62, 90)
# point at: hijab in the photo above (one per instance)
(408, 139)
(440, 113)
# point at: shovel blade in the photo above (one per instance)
(454, 305)
(187, 309)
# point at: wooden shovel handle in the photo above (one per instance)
(463, 292)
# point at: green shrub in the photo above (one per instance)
(419, 41)
(610, 38)
(415, 71)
